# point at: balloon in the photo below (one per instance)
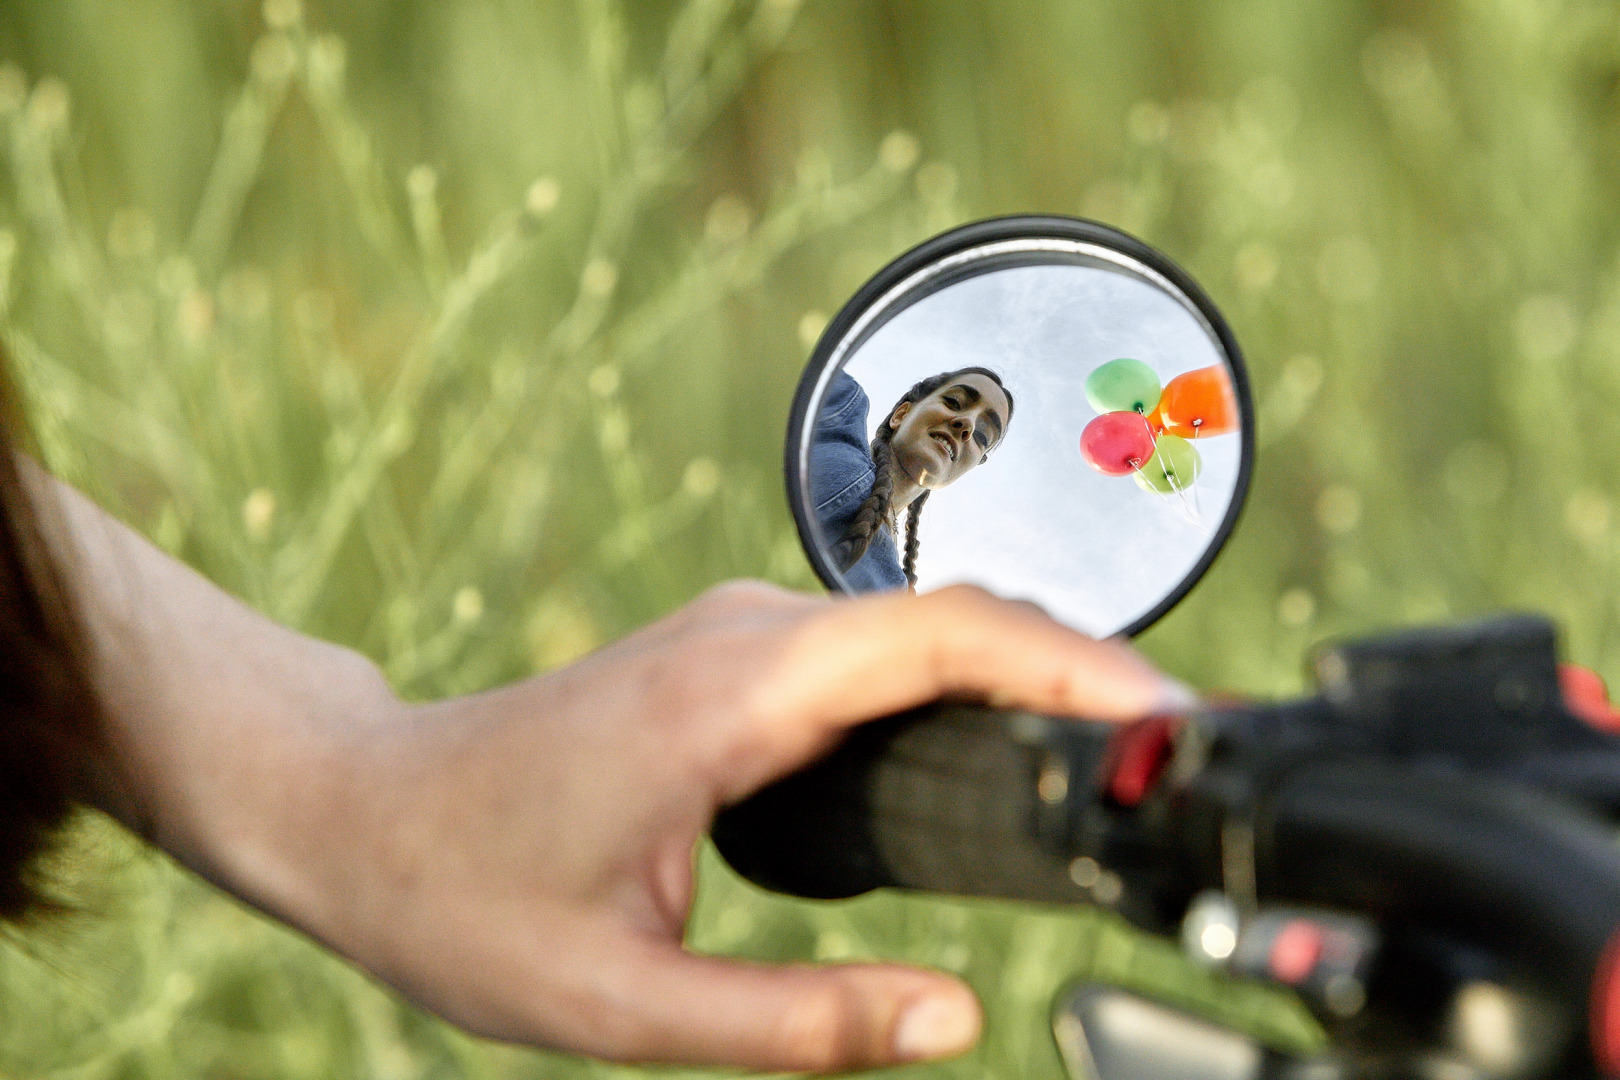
(1156, 420)
(1117, 443)
(1123, 385)
(1174, 467)
(1199, 403)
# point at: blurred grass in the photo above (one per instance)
(463, 333)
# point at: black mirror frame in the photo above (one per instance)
(992, 230)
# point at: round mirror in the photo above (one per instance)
(1041, 406)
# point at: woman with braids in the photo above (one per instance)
(938, 430)
(520, 861)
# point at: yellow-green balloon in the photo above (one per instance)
(1174, 466)
(1123, 385)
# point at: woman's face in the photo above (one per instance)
(938, 439)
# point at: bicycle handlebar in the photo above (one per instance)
(1310, 802)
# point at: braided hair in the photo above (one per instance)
(876, 510)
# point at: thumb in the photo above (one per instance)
(791, 1018)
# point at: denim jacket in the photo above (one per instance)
(841, 477)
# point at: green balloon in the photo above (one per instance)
(1174, 466)
(1123, 385)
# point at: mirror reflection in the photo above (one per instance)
(1062, 431)
(870, 480)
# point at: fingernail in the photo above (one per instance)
(1175, 696)
(937, 1026)
(1170, 695)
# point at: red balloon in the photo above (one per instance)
(1197, 404)
(1117, 443)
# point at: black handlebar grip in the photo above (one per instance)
(945, 798)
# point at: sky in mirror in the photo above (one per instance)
(1035, 521)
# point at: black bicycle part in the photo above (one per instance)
(1414, 789)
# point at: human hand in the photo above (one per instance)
(521, 861)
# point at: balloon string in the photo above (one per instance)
(1197, 512)
(1186, 513)
(1181, 493)
(1194, 517)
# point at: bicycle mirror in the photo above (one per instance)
(1041, 406)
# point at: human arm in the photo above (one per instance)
(520, 861)
(840, 476)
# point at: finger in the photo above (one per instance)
(684, 1008)
(739, 605)
(871, 656)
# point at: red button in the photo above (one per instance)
(1295, 952)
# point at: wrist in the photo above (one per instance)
(273, 802)
(307, 861)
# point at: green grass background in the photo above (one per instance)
(463, 331)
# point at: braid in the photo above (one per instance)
(875, 510)
(913, 513)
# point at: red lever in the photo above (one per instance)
(1137, 754)
(1587, 697)
(1604, 1020)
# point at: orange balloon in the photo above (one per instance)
(1197, 404)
